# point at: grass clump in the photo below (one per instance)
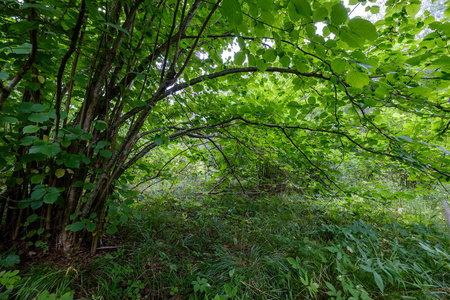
(272, 247)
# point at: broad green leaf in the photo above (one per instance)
(38, 194)
(294, 16)
(32, 218)
(60, 173)
(101, 125)
(357, 79)
(91, 227)
(444, 60)
(38, 117)
(338, 14)
(412, 9)
(265, 5)
(52, 149)
(378, 281)
(3, 75)
(339, 65)
(262, 65)
(363, 28)
(375, 9)
(351, 39)
(22, 49)
(89, 186)
(106, 153)
(270, 55)
(42, 7)
(75, 227)
(38, 108)
(111, 229)
(51, 198)
(303, 7)
(260, 30)
(231, 10)
(285, 61)
(239, 58)
(320, 14)
(159, 140)
(37, 178)
(30, 129)
(267, 17)
(9, 119)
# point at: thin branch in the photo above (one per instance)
(181, 86)
(62, 67)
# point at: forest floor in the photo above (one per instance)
(271, 247)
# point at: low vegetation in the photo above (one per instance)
(186, 245)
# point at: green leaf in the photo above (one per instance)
(357, 79)
(260, 30)
(101, 125)
(339, 65)
(91, 227)
(89, 186)
(38, 108)
(267, 17)
(30, 129)
(231, 10)
(444, 60)
(351, 39)
(37, 178)
(77, 226)
(60, 173)
(51, 198)
(22, 49)
(2, 163)
(106, 153)
(32, 218)
(338, 14)
(443, 149)
(293, 15)
(270, 55)
(375, 9)
(120, 28)
(285, 61)
(38, 194)
(41, 7)
(262, 65)
(3, 75)
(159, 140)
(320, 14)
(9, 119)
(412, 9)
(239, 58)
(303, 7)
(266, 5)
(363, 28)
(111, 229)
(378, 281)
(51, 150)
(406, 138)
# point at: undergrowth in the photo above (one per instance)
(272, 247)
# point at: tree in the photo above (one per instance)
(83, 83)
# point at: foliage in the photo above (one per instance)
(89, 88)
